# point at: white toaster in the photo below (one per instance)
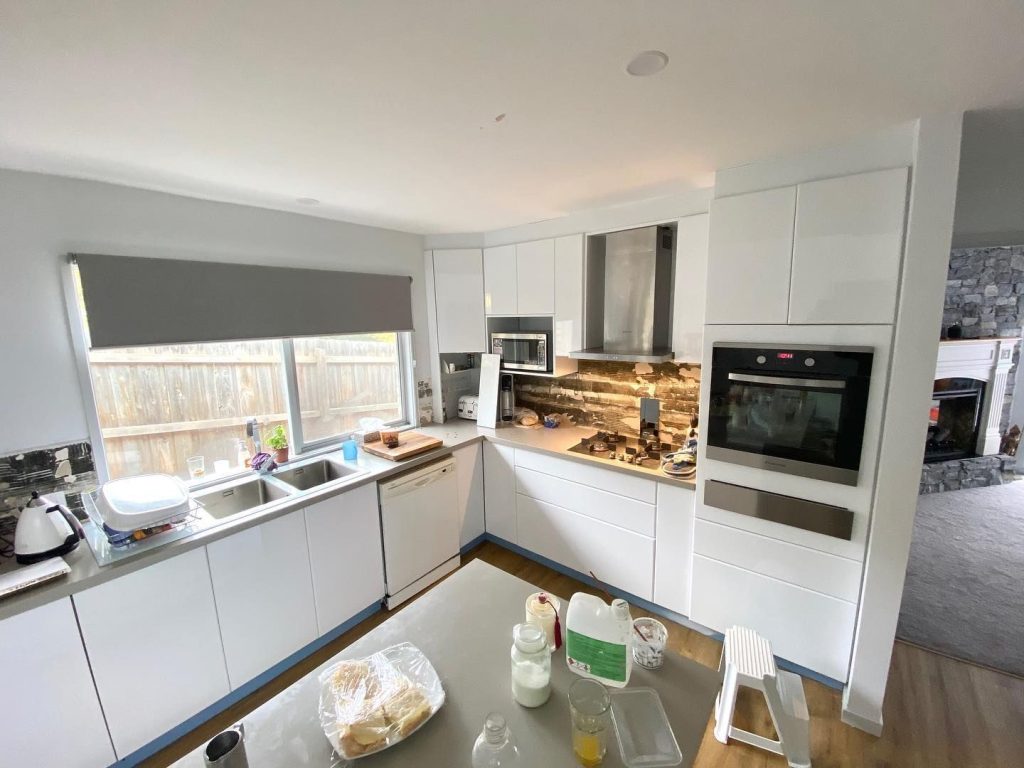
(467, 406)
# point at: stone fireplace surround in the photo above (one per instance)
(987, 360)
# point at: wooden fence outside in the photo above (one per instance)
(158, 406)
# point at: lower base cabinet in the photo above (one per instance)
(50, 712)
(261, 580)
(155, 649)
(345, 555)
(618, 557)
(500, 491)
(469, 470)
(673, 551)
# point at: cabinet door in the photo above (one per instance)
(48, 689)
(688, 297)
(154, 646)
(617, 557)
(535, 278)
(500, 280)
(459, 300)
(500, 490)
(345, 555)
(264, 595)
(673, 548)
(847, 248)
(750, 249)
(569, 294)
(469, 470)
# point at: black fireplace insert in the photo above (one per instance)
(954, 419)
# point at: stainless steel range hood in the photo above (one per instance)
(629, 296)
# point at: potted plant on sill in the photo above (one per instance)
(278, 441)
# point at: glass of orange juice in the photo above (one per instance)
(590, 704)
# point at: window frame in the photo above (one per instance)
(299, 448)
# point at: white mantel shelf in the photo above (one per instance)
(987, 360)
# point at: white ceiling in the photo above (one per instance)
(385, 110)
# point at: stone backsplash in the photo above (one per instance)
(63, 468)
(606, 395)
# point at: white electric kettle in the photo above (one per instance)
(45, 530)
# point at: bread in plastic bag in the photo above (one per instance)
(367, 705)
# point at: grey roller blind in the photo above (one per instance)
(133, 301)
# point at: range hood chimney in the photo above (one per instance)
(629, 296)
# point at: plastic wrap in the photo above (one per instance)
(368, 705)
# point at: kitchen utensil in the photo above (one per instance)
(649, 643)
(643, 730)
(45, 530)
(227, 749)
(589, 705)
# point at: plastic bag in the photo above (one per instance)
(368, 705)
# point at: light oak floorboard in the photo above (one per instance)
(939, 712)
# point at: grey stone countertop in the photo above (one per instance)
(86, 572)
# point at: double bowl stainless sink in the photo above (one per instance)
(245, 495)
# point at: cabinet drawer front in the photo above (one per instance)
(611, 508)
(822, 572)
(807, 628)
(617, 557)
(638, 488)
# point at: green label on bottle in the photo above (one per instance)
(596, 657)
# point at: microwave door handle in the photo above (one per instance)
(789, 381)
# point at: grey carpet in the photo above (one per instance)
(964, 594)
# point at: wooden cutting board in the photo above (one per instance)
(409, 444)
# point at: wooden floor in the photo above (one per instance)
(939, 712)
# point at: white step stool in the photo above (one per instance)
(747, 659)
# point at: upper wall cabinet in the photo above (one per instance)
(458, 292)
(688, 296)
(846, 250)
(569, 294)
(749, 253)
(520, 279)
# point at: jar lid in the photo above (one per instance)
(529, 638)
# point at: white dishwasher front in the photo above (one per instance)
(420, 523)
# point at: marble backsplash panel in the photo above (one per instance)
(606, 395)
(66, 468)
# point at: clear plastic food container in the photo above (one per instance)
(641, 725)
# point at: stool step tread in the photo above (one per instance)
(750, 653)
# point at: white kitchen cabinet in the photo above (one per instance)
(459, 300)
(261, 580)
(688, 294)
(535, 278)
(623, 483)
(617, 557)
(500, 280)
(673, 549)
(345, 555)
(846, 249)
(805, 627)
(569, 294)
(469, 471)
(50, 713)
(500, 490)
(750, 249)
(154, 647)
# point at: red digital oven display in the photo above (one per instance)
(784, 355)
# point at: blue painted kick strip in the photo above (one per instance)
(242, 691)
(474, 543)
(653, 608)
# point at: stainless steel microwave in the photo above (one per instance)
(521, 351)
(793, 409)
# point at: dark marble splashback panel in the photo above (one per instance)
(68, 468)
(607, 394)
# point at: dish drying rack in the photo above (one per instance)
(123, 539)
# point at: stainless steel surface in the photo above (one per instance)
(235, 498)
(787, 510)
(306, 476)
(789, 381)
(786, 466)
(635, 296)
(473, 667)
(794, 347)
(524, 335)
(650, 416)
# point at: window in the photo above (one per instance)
(160, 406)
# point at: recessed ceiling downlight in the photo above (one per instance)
(307, 201)
(647, 63)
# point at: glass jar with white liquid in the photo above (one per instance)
(531, 665)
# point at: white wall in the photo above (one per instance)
(990, 191)
(43, 218)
